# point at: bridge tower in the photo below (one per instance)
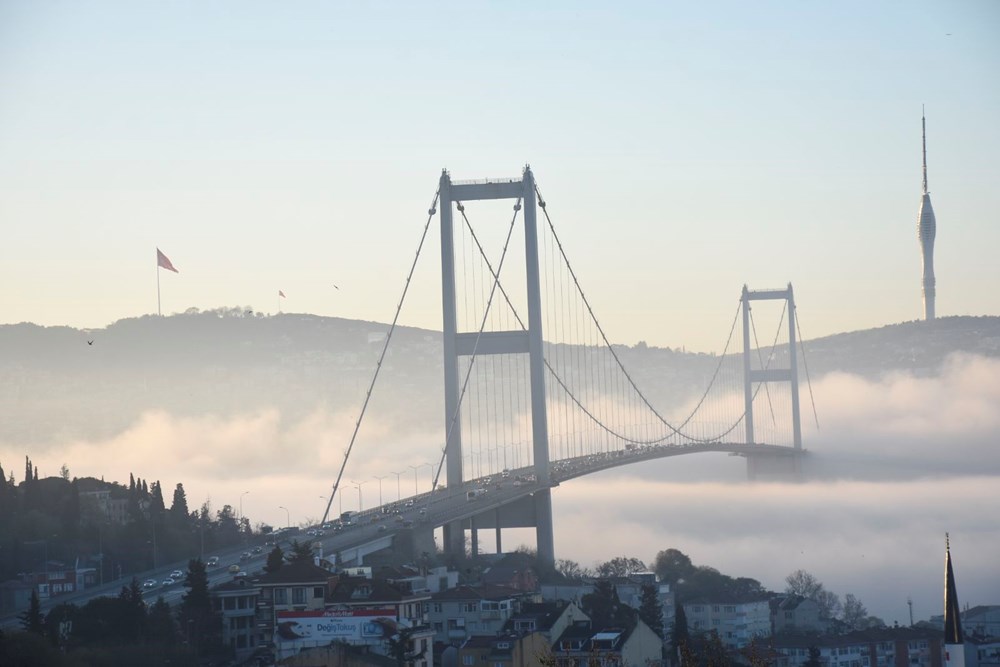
(758, 463)
(457, 344)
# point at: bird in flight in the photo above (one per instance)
(90, 342)
(335, 287)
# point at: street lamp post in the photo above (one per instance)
(430, 481)
(415, 469)
(380, 478)
(361, 506)
(288, 517)
(241, 508)
(399, 494)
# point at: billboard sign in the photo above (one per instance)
(297, 629)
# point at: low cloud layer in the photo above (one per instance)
(896, 464)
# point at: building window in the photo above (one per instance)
(318, 592)
(437, 608)
(438, 627)
(468, 660)
(298, 595)
(280, 596)
(229, 604)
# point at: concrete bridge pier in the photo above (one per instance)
(774, 467)
(475, 537)
(454, 539)
(544, 538)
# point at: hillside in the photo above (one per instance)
(55, 386)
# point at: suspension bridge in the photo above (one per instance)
(536, 394)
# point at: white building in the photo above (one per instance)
(736, 623)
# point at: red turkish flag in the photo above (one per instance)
(162, 261)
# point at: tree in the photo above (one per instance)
(802, 583)
(853, 613)
(604, 607)
(806, 585)
(829, 604)
(813, 660)
(275, 559)
(399, 641)
(31, 618)
(179, 515)
(651, 610)
(156, 507)
(160, 625)
(64, 472)
(571, 569)
(133, 622)
(679, 636)
(302, 552)
(672, 566)
(620, 566)
(197, 616)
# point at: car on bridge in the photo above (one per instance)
(213, 561)
(149, 583)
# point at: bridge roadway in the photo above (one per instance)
(428, 511)
(377, 528)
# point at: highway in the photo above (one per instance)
(432, 509)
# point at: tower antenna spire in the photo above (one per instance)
(923, 125)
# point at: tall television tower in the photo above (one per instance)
(926, 231)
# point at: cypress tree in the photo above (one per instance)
(32, 619)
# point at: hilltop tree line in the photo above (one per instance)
(59, 519)
(692, 583)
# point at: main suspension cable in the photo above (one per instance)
(378, 366)
(805, 365)
(674, 429)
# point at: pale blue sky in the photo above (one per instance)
(684, 149)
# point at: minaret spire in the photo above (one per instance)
(923, 125)
(954, 649)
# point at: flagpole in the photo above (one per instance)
(279, 303)
(158, 313)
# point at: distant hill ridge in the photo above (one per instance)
(56, 385)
